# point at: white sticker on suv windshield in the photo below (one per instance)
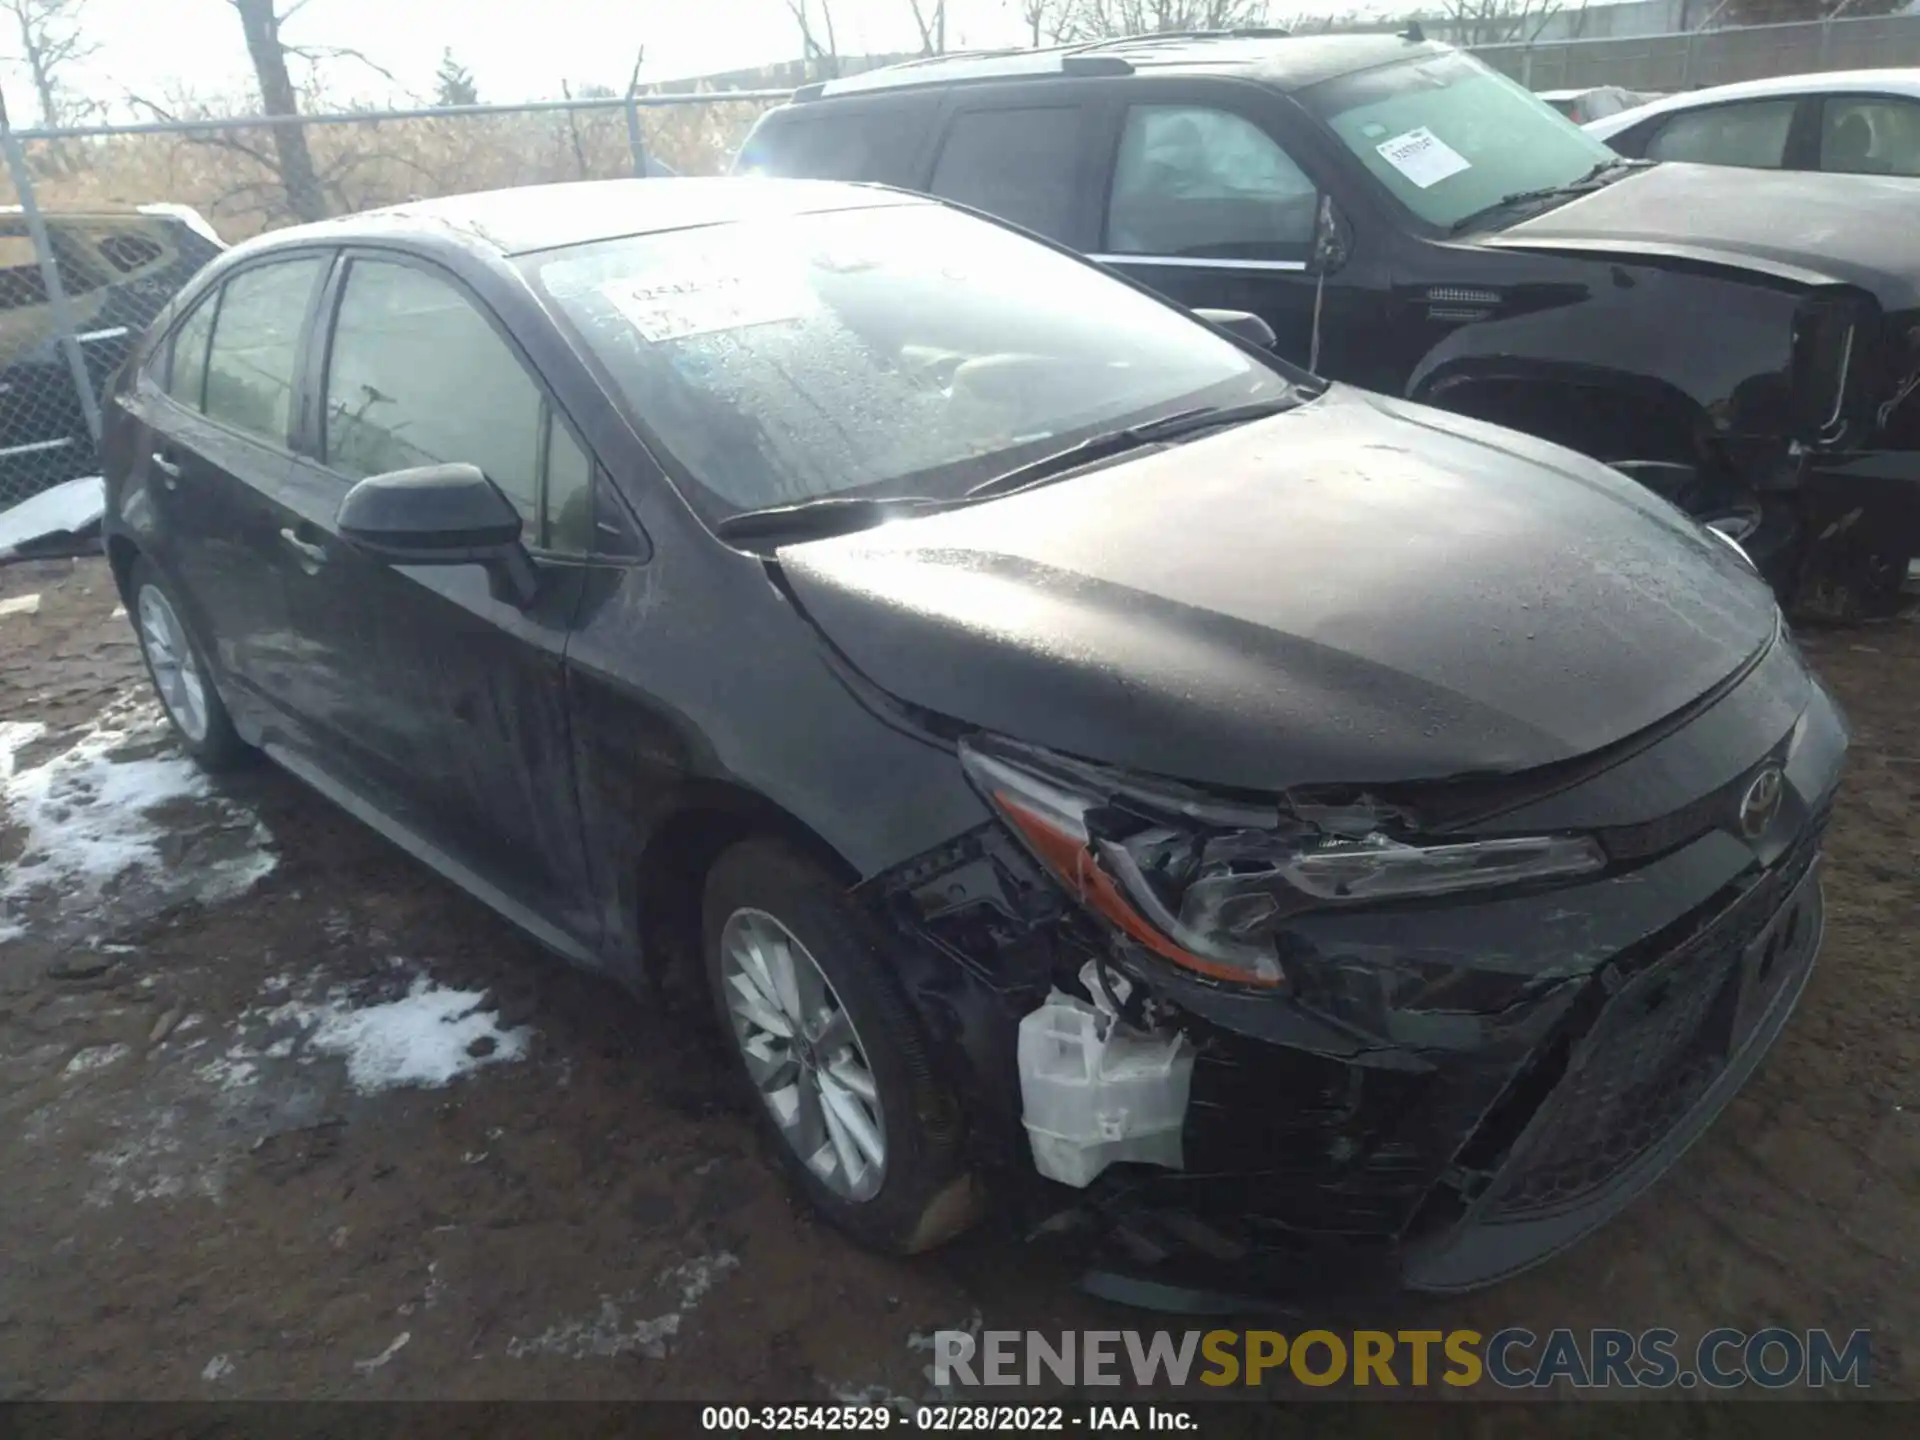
(706, 304)
(1423, 157)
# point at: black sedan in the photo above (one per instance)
(1088, 759)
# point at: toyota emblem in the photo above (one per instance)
(1761, 802)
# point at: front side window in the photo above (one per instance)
(1017, 164)
(1752, 134)
(883, 350)
(417, 376)
(1448, 138)
(1194, 181)
(256, 346)
(1870, 135)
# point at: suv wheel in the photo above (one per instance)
(835, 1061)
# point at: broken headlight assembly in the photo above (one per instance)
(1206, 883)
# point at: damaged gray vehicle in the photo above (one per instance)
(1304, 837)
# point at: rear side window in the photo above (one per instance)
(1752, 134)
(1870, 135)
(1193, 181)
(871, 144)
(1017, 164)
(187, 372)
(256, 344)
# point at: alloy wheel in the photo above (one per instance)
(803, 1054)
(176, 675)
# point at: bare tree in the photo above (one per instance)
(261, 21)
(1044, 18)
(1105, 19)
(51, 43)
(930, 19)
(819, 51)
(1497, 22)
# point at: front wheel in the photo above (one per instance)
(182, 680)
(834, 1059)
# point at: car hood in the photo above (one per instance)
(1360, 590)
(1797, 225)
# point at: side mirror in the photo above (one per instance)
(440, 515)
(1332, 239)
(1243, 323)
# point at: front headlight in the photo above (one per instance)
(1205, 884)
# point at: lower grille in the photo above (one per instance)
(1656, 1046)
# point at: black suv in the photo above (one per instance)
(1411, 221)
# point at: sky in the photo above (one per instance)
(515, 49)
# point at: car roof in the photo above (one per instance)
(526, 218)
(1904, 81)
(1272, 56)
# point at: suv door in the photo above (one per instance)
(1022, 157)
(216, 402)
(448, 703)
(1204, 203)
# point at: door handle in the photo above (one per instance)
(169, 469)
(310, 553)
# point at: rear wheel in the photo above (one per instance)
(181, 677)
(833, 1059)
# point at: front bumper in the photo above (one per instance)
(1447, 1091)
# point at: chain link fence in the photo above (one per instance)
(1710, 57)
(102, 225)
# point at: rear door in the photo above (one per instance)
(1023, 156)
(218, 406)
(449, 703)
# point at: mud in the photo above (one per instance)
(243, 1156)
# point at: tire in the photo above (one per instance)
(922, 1194)
(197, 714)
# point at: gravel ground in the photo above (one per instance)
(284, 1115)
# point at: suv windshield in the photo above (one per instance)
(1451, 138)
(878, 351)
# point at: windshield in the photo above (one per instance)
(1449, 137)
(892, 350)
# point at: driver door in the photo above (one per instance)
(1205, 205)
(449, 703)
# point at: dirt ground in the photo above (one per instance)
(231, 1167)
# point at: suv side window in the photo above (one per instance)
(256, 345)
(1870, 135)
(416, 375)
(1752, 133)
(1207, 184)
(186, 373)
(1017, 164)
(871, 144)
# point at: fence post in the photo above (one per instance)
(1526, 65)
(636, 141)
(57, 305)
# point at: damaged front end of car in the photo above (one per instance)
(1405, 1050)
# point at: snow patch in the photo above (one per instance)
(216, 1369)
(609, 1333)
(97, 1057)
(21, 605)
(429, 1037)
(367, 1367)
(88, 813)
